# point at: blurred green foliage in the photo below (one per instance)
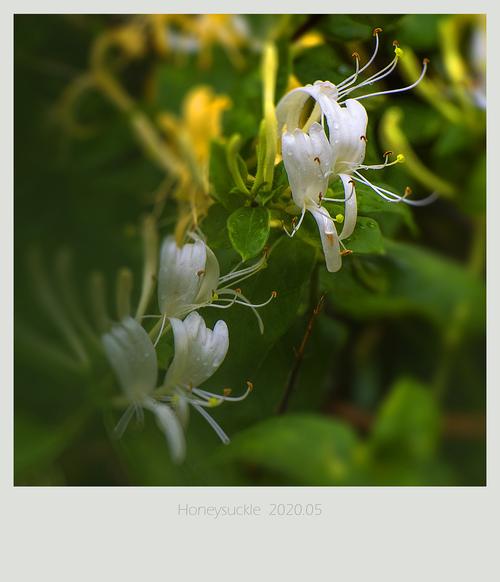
(391, 386)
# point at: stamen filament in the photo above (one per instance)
(218, 430)
(422, 74)
(350, 80)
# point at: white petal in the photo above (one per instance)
(171, 427)
(199, 351)
(347, 132)
(180, 276)
(291, 105)
(350, 207)
(307, 159)
(133, 358)
(329, 238)
(210, 279)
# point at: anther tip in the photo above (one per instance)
(376, 31)
(227, 391)
(274, 294)
(249, 385)
(355, 55)
(395, 43)
(426, 61)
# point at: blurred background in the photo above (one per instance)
(391, 386)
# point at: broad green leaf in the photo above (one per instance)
(248, 229)
(214, 227)
(408, 422)
(306, 449)
(288, 273)
(366, 238)
(407, 280)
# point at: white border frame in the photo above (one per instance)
(74, 534)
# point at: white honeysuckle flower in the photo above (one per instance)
(189, 278)
(199, 352)
(133, 359)
(347, 121)
(308, 159)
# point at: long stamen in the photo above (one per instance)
(387, 70)
(422, 74)
(161, 330)
(124, 421)
(247, 303)
(234, 273)
(297, 226)
(393, 197)
(205, 394)
(350, 80)
(218, 430)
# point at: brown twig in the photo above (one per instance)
(299, 356)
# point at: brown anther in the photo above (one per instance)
(387, 154)
(376, 31)
(227, 391)
(329, 237)
(249, 385)
(408, 192)
(355, 56)
(237, 291)
(294, 221)
(274, 294)
(320, 197)
(200, 273)
(316, 159)
(395, 43)
(426, 61)
(265, 251)
(363, 137)
(345, 252)
(352, 182)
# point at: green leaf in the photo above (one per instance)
(366, 238)
(408, 422)
(409, 280)
(214, 227)
(248, 230)
(288, 273)
(306, 449)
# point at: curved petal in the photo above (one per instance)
(350, 207)
(290, 107)
(347, 135)
(210, 279)
(180, 276)
(199, 351)
(307, 159)
(132, 357)
(171, 427)
(329, 238)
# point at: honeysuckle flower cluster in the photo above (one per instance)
(313, 158)
(188, 279)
